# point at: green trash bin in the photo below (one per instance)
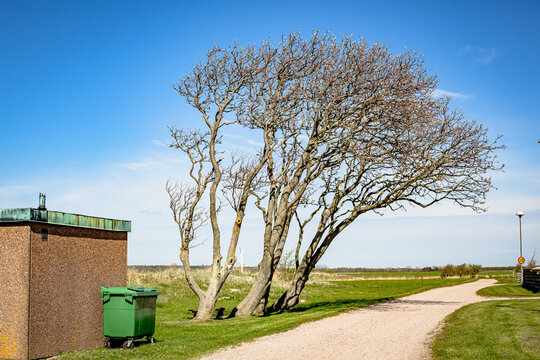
(129, 313)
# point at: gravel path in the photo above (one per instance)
(400, 329)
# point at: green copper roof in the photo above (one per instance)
(60, 218)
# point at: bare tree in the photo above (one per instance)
(372, 136)
(347, 128)
(223, 90)
(416, 161)
(213, 88)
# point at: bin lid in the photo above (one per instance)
(130, 291)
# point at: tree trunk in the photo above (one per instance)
(314, 253)
(208, 298)
(257, 299)
(207, 304)
(251, 304)
(291, 297)
(206, 307)
(275, 262)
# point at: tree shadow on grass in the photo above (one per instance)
(337, 306)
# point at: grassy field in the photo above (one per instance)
(404, 274)
(510, 288)
(419, 274)
(495, 272)
(180, 338)
(508, 329)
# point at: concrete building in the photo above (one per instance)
(52, 265)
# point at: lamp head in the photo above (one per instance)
(520, 213)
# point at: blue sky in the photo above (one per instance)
(86, 97)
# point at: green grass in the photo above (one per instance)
(419, 274)
(495, 272)
(178, 337)
(510, 288)
(506, 329)
(388, 274)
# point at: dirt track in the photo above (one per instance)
(400, 329)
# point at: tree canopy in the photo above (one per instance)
(346, 128)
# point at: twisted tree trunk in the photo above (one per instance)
(257, 299)
(313, 254)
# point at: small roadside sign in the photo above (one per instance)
(521, 260)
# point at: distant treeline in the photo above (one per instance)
(405, 269)
(462, 270)
(152, 268)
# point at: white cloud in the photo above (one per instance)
(234, 143)
(150, 211)
(488, 56)
(150, 163)
(233, 136)
(482, 55)
(144, 164)
(454, 95)
(20, 196)
(248, 140)
(255, 143)
(159, 143)
(489, 240)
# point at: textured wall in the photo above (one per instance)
(14, 270)
(67, 271)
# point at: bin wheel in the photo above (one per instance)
(107, 343)
(128, 344)
(150, 339)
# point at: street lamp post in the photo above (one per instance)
(520, 214)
